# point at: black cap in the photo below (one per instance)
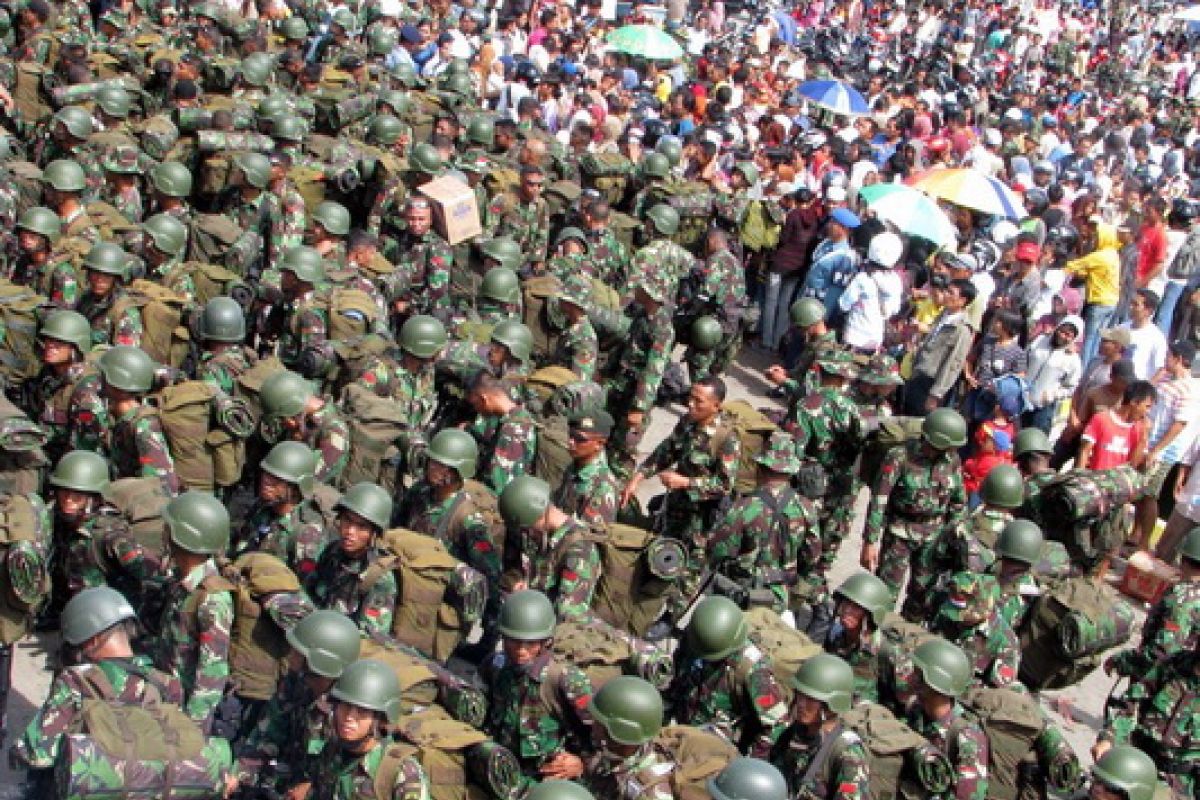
(1185, 350)
(1123, 370)
(596, 423)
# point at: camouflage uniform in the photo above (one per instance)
(719, 284)
(56, 279)
(829, 424)
(101, 552)
(578, 349)
(328, 434)
(222, 369)
(287, 227)
(538, 710)
(1171, 627)
(306, 325)
(845, 774)
(608, 257)
(1016, 598)
(527, 223)
(737, 697)
(343, 775)
(803, 376)
(125, 329)
(61, 714)
(1161, 715)
(863, 658)
(71, 410)
(770, 539)
(633, 380)
(139, 449)
(564, 566)
(991, 646)
(916, 497)
(968, 545)
(964, 743)
(507, 447)
(296, 538)
(422, 275)
(194, 643)
(414, 391)
(662, 257)
(589, 492)
(457, 524)
(293, 729)
(642, 776)
(339, 583)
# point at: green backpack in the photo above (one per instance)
(638, 570)
(752, 428)
(698, 756)
(24, 573)
(425, 682)
(786, 647)
(378, 428)
(1085, 510)
(903, 765)
(604, 653)
(140, 502)
(695, 203)
(607, 173)
(760, 230)
(460, 762)
(20, 310)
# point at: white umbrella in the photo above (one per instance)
(1188, 14)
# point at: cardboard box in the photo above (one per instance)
(455, 212)
(1147, 578)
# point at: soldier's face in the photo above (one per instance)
(353, 724)
(1101, 792)
(100, 283)
(702, 404)
(419, 219)
(31, 243)
(55, 351)
(851, 615)
(72, 505)
(583, 446)
(355, 533)
(806, 711)
(272, 490)
(522, 654)
(438, 474)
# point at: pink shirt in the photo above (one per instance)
(1113, 440)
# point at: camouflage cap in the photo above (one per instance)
(123, 160)
(656, 287)
(838, 362)
(881, 370)
(577, 291)
(780, 454)
(971, 598)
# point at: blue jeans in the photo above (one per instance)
(1095, 319)
(1166, 308)
(776, 317)
(1040, 418)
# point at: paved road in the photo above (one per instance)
(31, 680)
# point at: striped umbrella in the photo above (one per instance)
(910, 211)
(971, 189)
(837, 96)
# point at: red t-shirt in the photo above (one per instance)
(1113, 440)
(1152, 248)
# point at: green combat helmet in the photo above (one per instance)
(94, 611)
(944, 667)
(256, 69)
(748, 779)
(369, 501)
(944, 429)
(76, 120)
(515, 336)
(123, 160)
(329, 642)
(371, 685)
(128, 369)
(655, 165)
(425, 158)
(504, 250)
(406, 75)
(482, 131)
(559, 790)
(381, 42)
(171, 179)
(294, 463)
(107, 258)
(114, 101)
(64, 176)
(223, 320)
(256, 167)
(501, 285)
(385, 130)
(748, 171)
(460, 85)
(671, 147)
(289, 129)
(630, 710)
(42, 221)
(284, 394)
(167, 234)
(1127, 769)
(294, 29)
(664, 219)
(81, 471)
(524, 501)
(333, 217)
(1003, 487)
(869, 593)
(806, 312)
(422, 336)
(1031, 440)
(706, 333)
(527, 616)
(68, 326)
(1021, 540)
(198, 523)
(828, 679)
(455, 449)
(273, 105)
(305, 263)
(717, 629)
(399, 102)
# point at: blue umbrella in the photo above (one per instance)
(837, 96)
(787, 27)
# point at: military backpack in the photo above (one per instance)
(698, 756)
(785, 647)
(638, 570)
(903, 765)
(752, 428)
(695, 202)
(140, 503)
(23, 456)
(1086, 510)
(210, 280)
(165, 334)
(205, 431)
(20, 311)
(425, 682)
(217, 239)
(24, 573)
(607, 173)
(378, 430)
(603, 652)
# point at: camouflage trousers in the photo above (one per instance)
(837, 517)
(689, 523)
(898, 557)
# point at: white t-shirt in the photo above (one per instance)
(1147, 349)
(871, 299)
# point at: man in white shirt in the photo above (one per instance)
(1147, 345)
(873, 295)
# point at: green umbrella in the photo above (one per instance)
(646, 41)
(910, 211)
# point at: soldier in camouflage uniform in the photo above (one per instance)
(510, 351)
(824, 687)
(367, 695)
(769, 542)
(697, 463)
(861, 604)
(286, 521)
(137, 446)
(293, 410)
(1173, 624)
(171, 186)
(1018, 550)
(627, 714)
(1032, 451)
(827, 421)
(65, 397)
(114, 319)
(99, 625)
(38, 264)
(918, 494)
(69, 131)
(349, 577)
(558, 552)
(811, 338)
(609, 258)
(578, 347)
(589, 489)
(970, 545)
(945, 673)
(421, 283)
(223, 355)
(969, 618)
(198, 613)
(298, 719)
(1160, 714)
(302, 323)
(121, 190)
(538, 707)
(497, 299)
(164, 242)
(715, 287)
(505, 430)
(725, 683)
(92, 545)
(525, 216)
(662, 256)
(328, 227)
(1125, 773)
(636, 369)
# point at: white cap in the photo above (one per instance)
(836, 194)
(885, 249)
(992, 137)
(1004, 232)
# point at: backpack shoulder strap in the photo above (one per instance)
(720, 437)
(824, 753)
(378, 568)
(388, 769)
